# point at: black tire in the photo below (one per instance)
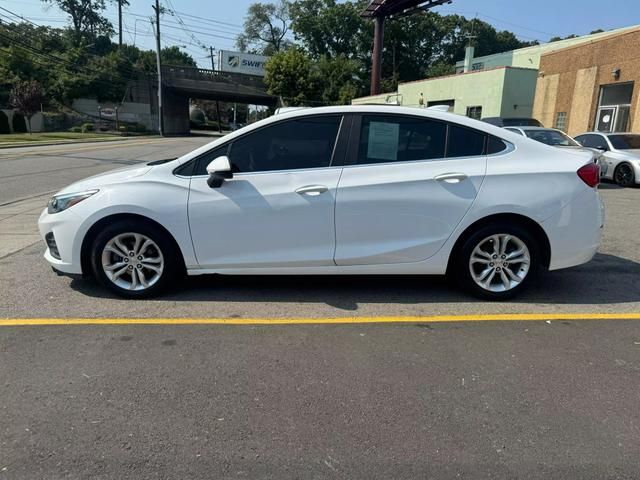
(171, 256)
(624, 175)
(462, 269)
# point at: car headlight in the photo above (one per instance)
(58, 203)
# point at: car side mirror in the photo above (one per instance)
(219, 170)
(602, 148)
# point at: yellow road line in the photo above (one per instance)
(328, 320)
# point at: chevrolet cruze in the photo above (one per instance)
(336, 190)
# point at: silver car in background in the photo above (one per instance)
(620, 153)
(557, 138)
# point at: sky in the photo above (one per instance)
(200, 24)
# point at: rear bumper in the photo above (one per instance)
(575, 232)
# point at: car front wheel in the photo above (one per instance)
(497, 262)
(133, 259)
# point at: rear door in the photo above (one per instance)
(410, 182)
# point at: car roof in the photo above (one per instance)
(608, 134)
(525, 127)
(394, 109)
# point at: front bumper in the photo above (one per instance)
(64, 226)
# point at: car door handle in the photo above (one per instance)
(451, 177)
(312, 190)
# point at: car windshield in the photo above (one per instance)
(625, 142)
(554, 138)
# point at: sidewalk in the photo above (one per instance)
(19, 224)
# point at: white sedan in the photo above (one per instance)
(336, 190)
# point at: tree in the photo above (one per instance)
(27, 97)
(326, 27)
(289, 75)
(86, 17)
(558, 38)
(336, 79)
(265, 27)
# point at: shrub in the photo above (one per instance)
(140, 128)
(4, 123)
(87, 127)
(19, 124)
(75, 129)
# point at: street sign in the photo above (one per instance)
(238, 62)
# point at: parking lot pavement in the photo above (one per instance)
(420, 399)
(458, 400)
(609, 284)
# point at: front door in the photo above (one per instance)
(278, 209)
(410, 186)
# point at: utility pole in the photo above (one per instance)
(120, 23)
(376, 56)
(160, 116)
(213, 65)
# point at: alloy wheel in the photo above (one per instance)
(624, 175)
(500, 263)
(132, 261)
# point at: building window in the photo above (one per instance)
(561, 121)
(474, 112)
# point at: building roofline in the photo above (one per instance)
(492, 69)
(596, 37)
(591, 42)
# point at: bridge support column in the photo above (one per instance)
(176, 113)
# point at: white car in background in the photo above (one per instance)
(557, 138)
(336, 190)
(620, 152)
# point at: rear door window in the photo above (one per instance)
(392, 138)
(464, 142)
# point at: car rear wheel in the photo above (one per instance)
(134, 259)
(624, 175)
(497, 262)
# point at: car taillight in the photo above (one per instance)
(590, 174)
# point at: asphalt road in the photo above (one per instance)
(423, 399)
(32, 170)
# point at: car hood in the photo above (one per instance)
(120, 175)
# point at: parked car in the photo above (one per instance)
(620, 152)
(557, 138)
(512, 122)
(336, 190)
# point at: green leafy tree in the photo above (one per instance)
(86, 17)
(329, 27)
(265, 27)
(289, 75)
(337, 79)
(27, 98)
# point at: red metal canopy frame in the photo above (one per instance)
(379, 10)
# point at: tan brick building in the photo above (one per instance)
(592, 86)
